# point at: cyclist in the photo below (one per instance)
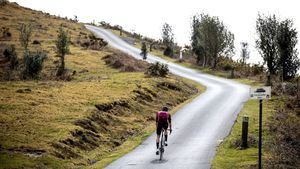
(163, 120)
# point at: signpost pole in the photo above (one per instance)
(260, 135)
(260, 93)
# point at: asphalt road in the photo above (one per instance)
(198, 127)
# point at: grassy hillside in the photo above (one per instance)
(49, 123)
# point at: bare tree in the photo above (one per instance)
(168, 39)
(25, 35)
(245, 53)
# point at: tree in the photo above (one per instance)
(119, 28)
(244, 52)
(266, 28)
(144, 51)
(198, 42)
(25, 35)
(152, 44)
(210, 39)
(288, 61)
(168, 39)
(62, 46)
(75, 18)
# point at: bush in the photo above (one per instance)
(227, 67)
(5, 32)
(257, 69)
(36, 42)
(168, 51)
(33, 64)
(94, 43)
(124, 62)
(226, 63)
(285, 143)
(11, 55)
(158, 69)
(3, 2)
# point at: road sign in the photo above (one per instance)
(260, 92)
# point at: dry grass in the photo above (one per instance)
(36, 116)
(125, 62)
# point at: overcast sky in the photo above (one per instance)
(147, 17)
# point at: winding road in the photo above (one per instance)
(198, 127)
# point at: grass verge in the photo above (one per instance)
(229, 154)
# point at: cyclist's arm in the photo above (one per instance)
(170, 121)
(156, 119)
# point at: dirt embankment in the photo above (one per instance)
(111, 124)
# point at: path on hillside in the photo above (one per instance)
(198, 127)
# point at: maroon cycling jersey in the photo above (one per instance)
(163, 117)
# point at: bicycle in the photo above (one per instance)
(162, 144)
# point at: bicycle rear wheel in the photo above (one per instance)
(162, 142)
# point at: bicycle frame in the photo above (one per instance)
(162, 144)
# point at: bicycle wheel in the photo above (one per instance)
(162, 141)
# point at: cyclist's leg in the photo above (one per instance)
(158, 132)
(157, 141)
(166, 134)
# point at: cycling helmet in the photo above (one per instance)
(165, 108)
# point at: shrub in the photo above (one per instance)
(227, 67)
(5, 32)
(3, 3)
(93, 42)
(124, 62)
(287, 88)
(257, 69)
(33, 64)
(11, 55)
(97, 44)
(285, 143)
(158, 69)
(168, 51)
(25, 35)
(226, 64)
(36, 42)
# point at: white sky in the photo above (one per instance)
(147, 17)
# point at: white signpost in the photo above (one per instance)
(260, 93)
(180, 54)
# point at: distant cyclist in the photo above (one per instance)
(163, 120)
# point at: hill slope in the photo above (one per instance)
(49, 123)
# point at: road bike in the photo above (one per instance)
(162, 144)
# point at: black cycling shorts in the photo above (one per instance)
(161, 126)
